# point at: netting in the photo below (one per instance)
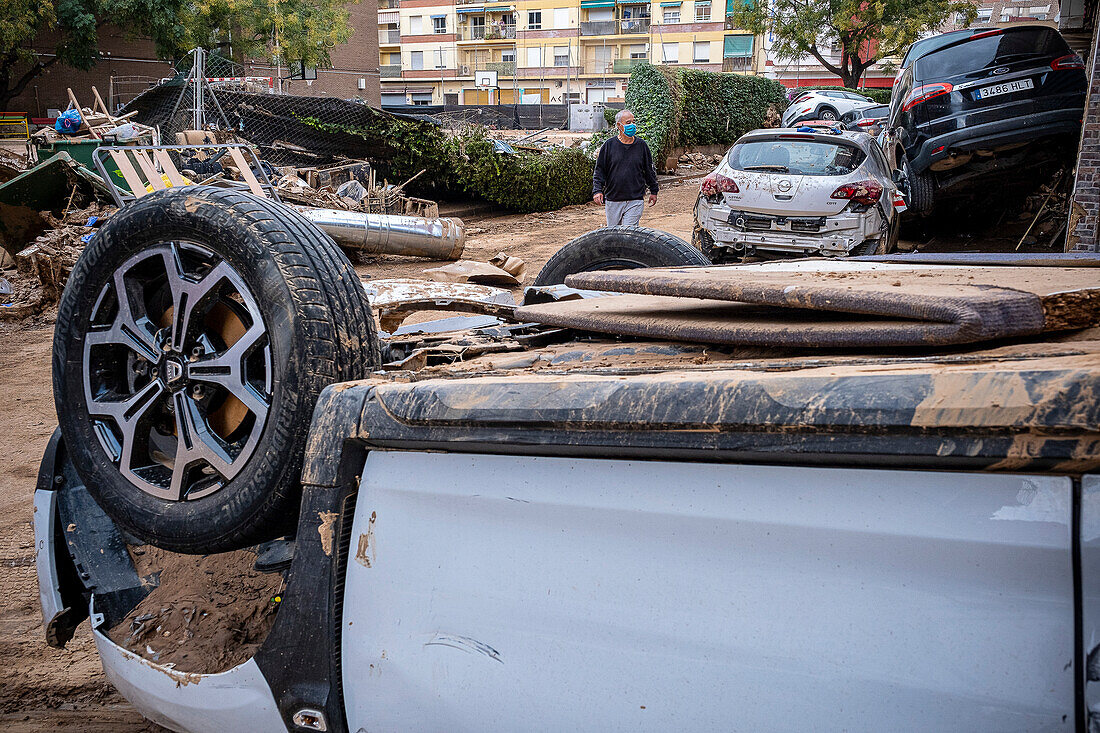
(301, 130)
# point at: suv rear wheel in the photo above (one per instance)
(826, 113)
(193, 338)
(921, 190)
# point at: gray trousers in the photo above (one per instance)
(623, 213)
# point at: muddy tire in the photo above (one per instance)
(193, 337)
(886, 246)
(619, 248)
(921, 191)
(702, 241)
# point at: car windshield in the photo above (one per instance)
(985, 51)
(804, 157)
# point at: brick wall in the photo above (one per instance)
(355, 60)
(1085, 206)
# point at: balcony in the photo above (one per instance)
(634, 25)
(488, 32)
(624, 66)
(387, 37)
(599, 27)
(390, 71)
(388, 4)
(739, 64)
(503, 68)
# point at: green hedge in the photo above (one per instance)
(882, 96)
(466, 165)
(676, 107)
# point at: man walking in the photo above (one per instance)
(624, 169)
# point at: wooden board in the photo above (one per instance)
(1006, 300)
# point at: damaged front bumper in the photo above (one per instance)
(84, 571)
(747, 232)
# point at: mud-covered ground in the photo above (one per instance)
(48, 689)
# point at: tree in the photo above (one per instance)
(866, 31)
(280, 30)
(74, 28)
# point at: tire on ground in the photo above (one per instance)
(618, 248)
(276, 313)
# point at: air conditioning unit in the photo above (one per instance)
(465, 70)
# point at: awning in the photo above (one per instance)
(737, 47)
(632, 2)
(732, 5)
(671, 4)
(468, 9)
(597, 3)
(701, 2)
(444, 15)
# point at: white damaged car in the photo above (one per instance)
(799, 191)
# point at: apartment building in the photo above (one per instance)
(548, 51)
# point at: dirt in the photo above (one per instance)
(208, 614)
(42, 688)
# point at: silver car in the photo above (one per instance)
(799, 192)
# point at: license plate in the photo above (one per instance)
(1004, 88)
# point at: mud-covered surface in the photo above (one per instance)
(209, 613)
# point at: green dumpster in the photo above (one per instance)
(81, 151)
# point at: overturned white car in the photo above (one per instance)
(802, 192)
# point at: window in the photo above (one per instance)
(416, 60)
(534, 20)
(702, 12)
(561, 17)
(639, 51)
(672, 15)
(670, 53)
(534, 57)
(422, 98)
(984, 14)
(439, 24)
(701, 52)
(440, 58)
(811, 158)
(561, 55)
(416, 25)
(1039, 12)
(508, 56)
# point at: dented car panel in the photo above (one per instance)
(521, 593)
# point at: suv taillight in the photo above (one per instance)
(861, 192)
(866, 122)
(1070, 61)
(924, 93)
(716, 183)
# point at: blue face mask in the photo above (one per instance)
(630, 130)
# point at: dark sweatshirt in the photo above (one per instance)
(624, 171)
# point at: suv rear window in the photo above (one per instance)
(800, 157)
(983, 52)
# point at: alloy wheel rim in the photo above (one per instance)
(177, 371)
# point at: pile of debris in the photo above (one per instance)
(351, 186)
(37, 274)
(700, 161)
(1047, 209)
(94, 123)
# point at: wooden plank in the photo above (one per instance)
(99, 105)
(169, 167)
(149, 170)
(83, 119)
(246, 171)
(133, 180)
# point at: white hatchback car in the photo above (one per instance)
(824, 105)
(800, 192)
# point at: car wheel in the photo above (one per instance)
(193, 338)
(883, 246)
(704, 242)
(619, 248)
(827, 113)
(921, 191)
